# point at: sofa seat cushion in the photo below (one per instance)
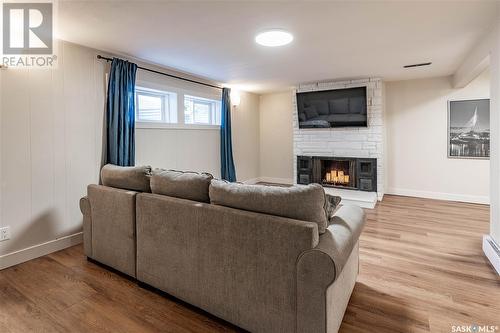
(315, 124)
(300, 202)
(346, 117)
(128, 178)
(185, 185)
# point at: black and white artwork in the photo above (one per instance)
(469, 129)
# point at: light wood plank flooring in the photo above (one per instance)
(422, 270)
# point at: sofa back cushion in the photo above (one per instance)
(302, 202)
(339, 105)
(357, 105)
(185, 185)
(311, 112)
(129, 178)
(321, 107)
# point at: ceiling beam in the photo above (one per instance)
(476, 61)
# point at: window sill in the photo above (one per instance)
(143, 125)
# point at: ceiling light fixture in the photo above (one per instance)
(274, 37)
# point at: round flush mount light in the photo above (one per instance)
(274, 37)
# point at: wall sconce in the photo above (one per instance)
(235, 97)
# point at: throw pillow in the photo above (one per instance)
(185, 185)
(331, 204)
(300, 202)
(311, 112)
(129, 178)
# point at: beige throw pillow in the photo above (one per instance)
(301, 202)
(185, 185)
(134, 178)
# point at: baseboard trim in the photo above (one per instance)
(251, 181)
(288, 181)
(492, 251)
(440, 195)
(39, 250)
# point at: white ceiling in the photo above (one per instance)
(333, 40)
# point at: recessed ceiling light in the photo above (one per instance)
(274, 37)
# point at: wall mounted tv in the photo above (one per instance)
(332, 108)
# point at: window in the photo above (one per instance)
(175, 108)
(153, 106)
(201, 111)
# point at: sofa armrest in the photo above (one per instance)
(87, 226)
(344, 232)
(319, 267)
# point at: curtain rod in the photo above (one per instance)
(169, 75)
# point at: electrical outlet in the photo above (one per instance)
(4, 233)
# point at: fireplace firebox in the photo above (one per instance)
(342, 172)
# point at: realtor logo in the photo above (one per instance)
(27, 28)
(28, 34)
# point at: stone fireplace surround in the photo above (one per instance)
(356, 142)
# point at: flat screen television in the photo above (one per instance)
(332, 108)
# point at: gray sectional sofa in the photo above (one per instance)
(267, 259)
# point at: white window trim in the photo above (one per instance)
(164, 104)
(166, 100)
(180, 92)
(167, 126)
(212, 103)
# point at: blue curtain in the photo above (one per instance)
(120, 114)
(226, 147)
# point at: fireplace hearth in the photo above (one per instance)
(341, 172)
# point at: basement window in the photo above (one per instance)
(201, 111)
(154, 106)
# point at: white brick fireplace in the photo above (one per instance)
(357, 142)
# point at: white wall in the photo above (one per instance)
(51, 123)
(276, 137)
(277, 133)
(416, 140)
(495, 135)
(198, 149)
(416, 113)
(179, 149)
(51, 130)
(245, 133)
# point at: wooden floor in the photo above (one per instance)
(422, 270)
